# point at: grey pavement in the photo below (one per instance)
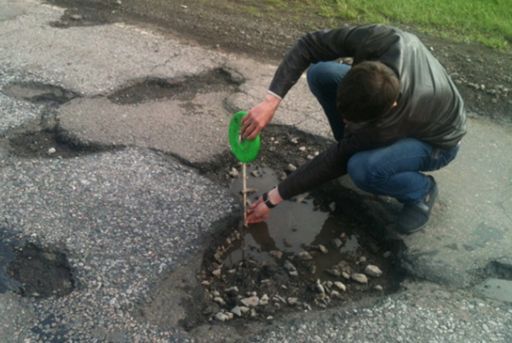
(126, 218)
(424, 313)
(129, 217)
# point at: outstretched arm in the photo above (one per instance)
(313, 47)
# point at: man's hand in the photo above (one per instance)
(259, 117)
(257, 212)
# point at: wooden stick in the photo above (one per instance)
(244, 176)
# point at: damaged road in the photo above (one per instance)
(115, 171)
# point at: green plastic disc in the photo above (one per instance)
(244, 150)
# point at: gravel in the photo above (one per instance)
(408, 316)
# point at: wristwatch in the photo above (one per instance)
(266, 200)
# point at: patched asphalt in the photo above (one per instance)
(126, 218)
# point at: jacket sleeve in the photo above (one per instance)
(326, 45)
(331, 163)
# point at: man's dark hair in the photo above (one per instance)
(367, 91)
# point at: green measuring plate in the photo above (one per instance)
(244, 150)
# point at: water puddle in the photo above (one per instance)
(296, 226)
(310, 253)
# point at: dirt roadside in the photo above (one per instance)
(247, 27)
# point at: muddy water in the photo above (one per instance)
(296, 226)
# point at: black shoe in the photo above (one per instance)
(415, 215)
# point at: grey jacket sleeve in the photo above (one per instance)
(331, 163)
(327, 45)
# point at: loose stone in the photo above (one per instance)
(335, 294)
(337, 242)
(292, 301)
(310, 157)
(237, 311)
(387, 254)
(221, 316)
(372, 271)
(312, 269)
(264, 300)
(52, 151)
(232, 290)
(250, 301)
(217, 272)
(205, 283)
(244, 309)
(323, 249)
(277, 297)
(333, 271)
(216, 293)
(302, 198)
(218, 257)
(233, 173)
(340, 285)
(276, 253)
(219, 301)
(302, 148)
(358, 277)
(305, 256)
(378, 288)
(319, 287)
(290, 268)
(344, 266)
(345, 275)
(362, 259)
(291, 168)
(255, 173)
(294, 140)
(76, 17)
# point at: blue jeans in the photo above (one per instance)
(394, 170)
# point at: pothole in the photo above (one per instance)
(317, 250)
(46, 144)
(38, 92)
(180, 89)
(7, 255)
(85, 14)
(311, 253)
(34, 271)
(498, 280)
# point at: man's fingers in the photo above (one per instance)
(256, 219)
(247, 119)
(251, 132)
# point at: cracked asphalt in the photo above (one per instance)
(137, 211)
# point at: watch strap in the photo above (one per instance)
(266, 200)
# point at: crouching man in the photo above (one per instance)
(395, 114)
